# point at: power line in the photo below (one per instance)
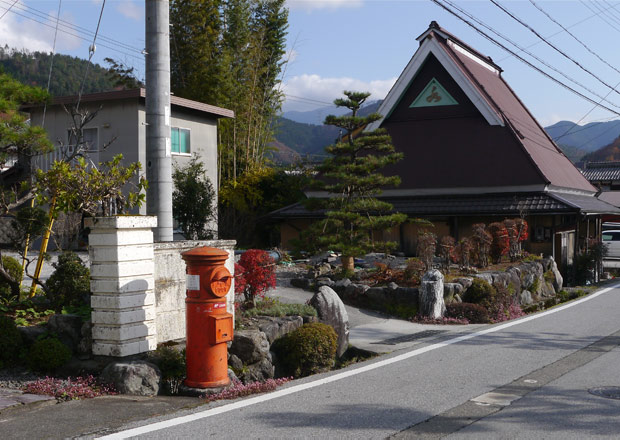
(531, 29)
(49, 77)
(72, 26)
(540, 60)
(91, 52)
(572, 35)
(78, 36)
(610, 16)
(547, 75)
(7, 11)
(599, 15)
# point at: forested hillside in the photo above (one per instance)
(32, 68)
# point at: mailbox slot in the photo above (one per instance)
(220, 328)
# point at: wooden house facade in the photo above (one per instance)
(473, 153)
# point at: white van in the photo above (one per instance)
(612, 239)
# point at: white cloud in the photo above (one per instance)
(20, 33)
(309, 5)
(305, 92)
(131, 10)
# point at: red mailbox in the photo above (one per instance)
(209, 326)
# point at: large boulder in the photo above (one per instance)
(137, 378)
(331, 311)
(558, 281)
(275, 328)
(250, 346)
(431, 295)
(68, 328)
(450, 290)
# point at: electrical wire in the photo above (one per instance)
(561, 52)
(49, 77)
(91, 52)
(542, 72)
(71, 26)
(7, 11)
(572, 35)
(521, 49)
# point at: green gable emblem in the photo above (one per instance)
(433, 95)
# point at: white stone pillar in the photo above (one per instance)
(122, 284)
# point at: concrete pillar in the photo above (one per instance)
(122, 284)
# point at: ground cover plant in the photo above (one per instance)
(69, 388)
(238, 389)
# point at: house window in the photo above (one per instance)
(179, 142)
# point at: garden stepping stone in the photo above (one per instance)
(10, 398)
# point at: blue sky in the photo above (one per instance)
(365, 44)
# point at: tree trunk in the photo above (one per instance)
(348, 263)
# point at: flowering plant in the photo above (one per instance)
(257, 275)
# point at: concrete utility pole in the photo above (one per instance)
(158, 160)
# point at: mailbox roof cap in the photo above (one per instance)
(205, 253)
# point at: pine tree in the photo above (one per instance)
(352, 178)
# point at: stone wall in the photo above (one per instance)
(170, 285)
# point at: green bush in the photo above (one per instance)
(474, 313)
(14, 269)
(10, 341)
(171, 363)
(309, 349)
(480, 292)
(69, 285)
(47, 354)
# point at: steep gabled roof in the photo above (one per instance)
(480, 80)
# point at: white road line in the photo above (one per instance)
(339, 376)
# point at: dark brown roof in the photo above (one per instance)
(141, 93)
(545, 154)
(602, 171)
(484, 204)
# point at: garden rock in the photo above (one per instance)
(408, 296)
(341, 284)
(324, 281)
(457, 298)
(85, 346)
(525, 298)
(451, 289)
(431, 295)
(319, 270)
(331, 311)
(392, 286)
(259, 371)
(325, 257)
(302, 283)
(32, 333)
(355, 290)
(275, 328)
(234, 362)
(531, 274)
(250, 346)
(137, 378)
(68, 328)
(466, 282)
(558, 281)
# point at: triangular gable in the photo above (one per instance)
(433, 95)
(432, 46)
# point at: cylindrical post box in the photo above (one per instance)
(209, 326)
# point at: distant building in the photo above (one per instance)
(473, 153)
(120, 127)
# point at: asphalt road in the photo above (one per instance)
(525, 379)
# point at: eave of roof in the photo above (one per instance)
(140, 93)
(542, 203)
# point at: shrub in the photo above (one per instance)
(309, 349)
(414, 270)
(47, 354)
(473, 313)
(273, 307)
(171, 363)
(500, 243)
(258, 274)
(480, 292)
(10, 341)
(69, 285)
(14, 269)
(427, 244)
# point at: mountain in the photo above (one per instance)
(578, 140)
(32, 68)
(610, 152)
(317, 116)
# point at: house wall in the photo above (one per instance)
(290, 229)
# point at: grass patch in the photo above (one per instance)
(273, 307)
